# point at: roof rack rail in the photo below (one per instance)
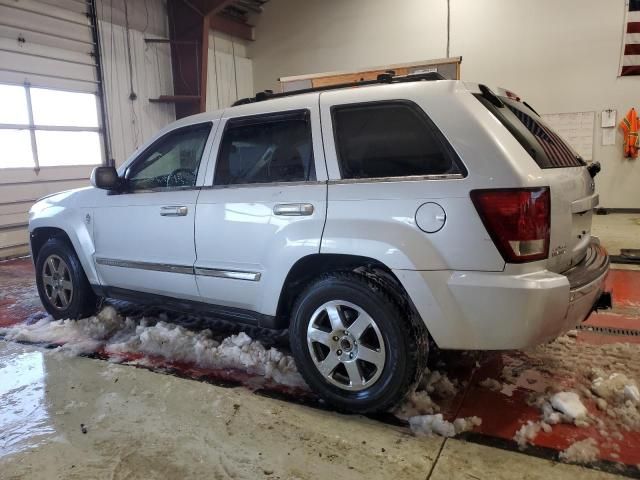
(387, 77)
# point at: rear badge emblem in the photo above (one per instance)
(559, 250)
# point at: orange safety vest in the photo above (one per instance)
(629, 126)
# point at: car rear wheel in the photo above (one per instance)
(62, 284)
(354, 345)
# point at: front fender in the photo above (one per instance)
(77, 223)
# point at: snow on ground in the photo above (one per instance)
(119, 336)
(426, 425)
(584, 451)
(421, 410)
(566, 376)
(529, 431)
(569, 403)
(598, 375)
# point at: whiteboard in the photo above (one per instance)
(576, 128)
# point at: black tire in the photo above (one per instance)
(82, 302)
(404, 337)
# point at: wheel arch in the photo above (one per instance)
(310, 267)
(40, 233)
(39, 236)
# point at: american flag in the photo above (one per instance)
(630, 61)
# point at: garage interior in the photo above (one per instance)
(130, 394)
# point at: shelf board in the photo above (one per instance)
(176, 99)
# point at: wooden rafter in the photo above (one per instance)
(230, 26)
(207, 7)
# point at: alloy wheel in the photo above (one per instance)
(346, 345)
(57, 283)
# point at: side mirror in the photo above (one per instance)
(105, 178)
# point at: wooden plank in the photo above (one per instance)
(176, 99)
(353, 77)
(396, 66)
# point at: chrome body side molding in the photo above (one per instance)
(184, 269)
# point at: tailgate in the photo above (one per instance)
(571, 186)
(572, 203)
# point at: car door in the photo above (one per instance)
(143, 235)
(264, 207)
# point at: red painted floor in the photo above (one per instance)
(502, 415)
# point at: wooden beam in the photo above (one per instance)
(207, 7)
(224, 24)
(176, 99)
(189, 35)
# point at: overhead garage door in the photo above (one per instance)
(51, 131)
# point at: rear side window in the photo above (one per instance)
(266, 149)
(544, 145)
(389, 139)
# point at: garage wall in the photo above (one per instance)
(48, 43)
(131, 65)
(561, 56)
(229, 71)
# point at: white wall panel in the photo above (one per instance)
(226, 79)
(212, 80)
(229, 71)
(244, 77)
(132, 122)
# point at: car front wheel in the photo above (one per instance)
(354, 345)
(62, 284)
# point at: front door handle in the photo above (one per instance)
(174, 211)
(293, 209)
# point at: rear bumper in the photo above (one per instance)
(496, 311)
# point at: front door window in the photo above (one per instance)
(172, 161)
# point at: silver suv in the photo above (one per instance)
(365, 220)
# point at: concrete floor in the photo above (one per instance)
(145, 425)
(617, 230)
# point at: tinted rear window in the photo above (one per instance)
(389, 139)
(544, 145)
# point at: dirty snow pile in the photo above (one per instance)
(426, 425)
(600, 377)
(119, 336)
(584, 451)
(421, 410)
(75, 336)
(240, 351)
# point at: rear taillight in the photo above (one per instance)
(517, 221)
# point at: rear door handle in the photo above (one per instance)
(174, 211)
(293, 209)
